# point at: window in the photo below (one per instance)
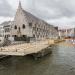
(23, 26)
(5, 36)
(37, 29)
(30, 24)
(8, 35)
(15, 27)
(33, 35)
(24, 36)
(34, 28)
(37, 36)
(7, 29)
(15, 35)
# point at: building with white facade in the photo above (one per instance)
(67, 33)
(1, 35)
(2, 31)
(27, 27)
(62, 33)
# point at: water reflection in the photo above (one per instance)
(60, 62)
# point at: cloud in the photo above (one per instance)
(54, 8)
(57, 12)
(2, 19)
(5, 9)
(63, 22)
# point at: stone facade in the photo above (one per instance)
(28, 26)
(1, 31)
(67, 33)
(5, 29)
(62, 33)
(72, 32)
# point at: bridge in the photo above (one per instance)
(26, 48)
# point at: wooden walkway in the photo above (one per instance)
(24, 49)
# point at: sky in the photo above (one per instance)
(57, 12)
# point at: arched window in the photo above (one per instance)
(15, 27)
(23, 26)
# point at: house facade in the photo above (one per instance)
(67, 33)
(5, 29)
(1, 35)
(2, 31)
(72, 32)
(26, 27)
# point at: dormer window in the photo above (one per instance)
(15, 27)
(23, 26)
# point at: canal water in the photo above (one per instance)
(60, 62)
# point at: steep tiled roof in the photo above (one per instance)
(30, 17)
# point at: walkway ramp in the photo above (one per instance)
(24, 49)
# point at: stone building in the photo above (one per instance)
(1, 34)
(63, 33)
(6, 27)
(72, 32)
(67, 33)
(28, 27)
(2, 31)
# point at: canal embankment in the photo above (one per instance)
(60, 62)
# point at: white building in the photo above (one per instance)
(1, 31)
(6, 27)
(67, 33)
(72, 32)
(26, 27)
(1, 34)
